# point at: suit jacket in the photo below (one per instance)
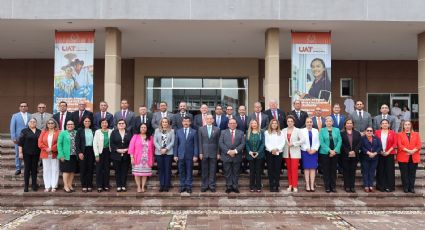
(41, 123)
(98, 116)
(43, 144)
(208, 146)
(224, 121)
(299, 122)
(129, 119)
(346, 147)
(296, 140)
(136, 148)
(64, 145)
(67, 117)
(403, 142)
(80, 140)
(98, 141)
(361, 124)
(177, 120)
(197, 121)
(186, 148)
(375, 146)
(260, 147)
(280, 117)
(264, 120)
(17, 124)
(138, 122)
(225, 144)
(315, 125)
(118, 142)
(391, 140)
(315, 142)
(158, 142)
(377, 122)
(342, 118)
(76, 118)
(242, 126)
(325, 141)
(156, 117)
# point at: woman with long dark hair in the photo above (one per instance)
(350, 151)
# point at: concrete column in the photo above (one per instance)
(112, 92)
(421, 84)
(271, 81)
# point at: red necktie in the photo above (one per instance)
(61, 121)
(233, 136)
(274, 115)
(81, 115)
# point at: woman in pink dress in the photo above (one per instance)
(141, 150)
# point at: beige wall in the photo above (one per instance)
(207, 67)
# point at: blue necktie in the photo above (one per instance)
(185, 133)
(209, 131)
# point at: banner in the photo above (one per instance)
(73, 69)
(311, 70)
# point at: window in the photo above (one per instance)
(346, 87)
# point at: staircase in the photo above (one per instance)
(13, 197)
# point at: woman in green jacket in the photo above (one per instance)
(330, 148)
(255, 155)
(67, 153)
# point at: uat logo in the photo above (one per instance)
(68, 48)
(305, 49)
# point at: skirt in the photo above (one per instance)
(309, 161)
(69, 166)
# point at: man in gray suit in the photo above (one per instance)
(41, 116)
(262, 118)
(361, 118)
(160, 114)
(125, 114)
(232, 143)
(178, 117)
(208, 153)
(384, 115)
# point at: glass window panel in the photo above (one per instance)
(187, 83)
(234, 97)
(162, 82)
(375, 101)
(211, 83)
(234, 83)
(149, 82)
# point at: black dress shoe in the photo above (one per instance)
(228, 190)
(327, 190)
(17, 172)
(182, 190)
(203, 189)
(236, 190)
(352, 190)
(347, 190)
(26, 189)
(412, 190)
(166, 189)
(99, 190)
(405, 190)
(333, 190)
(161, 189)
(189, 190)
(35, 188)
(212, 190)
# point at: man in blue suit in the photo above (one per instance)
(220, 120)
(103, 114)
(17, 124)
(186, 153)
(337, 117)
(318, 120)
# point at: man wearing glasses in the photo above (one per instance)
(41, 116)
(18, 122)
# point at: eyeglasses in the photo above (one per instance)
(369, 130)
(69, 124)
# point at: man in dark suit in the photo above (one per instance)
(261, 118)
(209, 153)
(229, 112)
(178, 117)
(186, 153)
(384, 115)
(242, 119)
(275, 113)
(361, 118)
(200, 119)
(144, 118)
(63, 116)
(163, 112)
(125, 114)
(103, 107)
(220, 120)
(232, 142)
(77, 116)
(318, 120)
(299, 115)
(337, 117)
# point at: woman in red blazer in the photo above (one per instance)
(385, 174)
(408, 156)
(47, 142)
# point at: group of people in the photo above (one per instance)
(85, 142)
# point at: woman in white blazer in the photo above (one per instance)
(309, 153)
(292, 152)
(274, 144)
(102, 152)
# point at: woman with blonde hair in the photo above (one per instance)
(255, 155)
(164, 143)
(309, 153)
(273, 142)
(292, 152)
(47, 142)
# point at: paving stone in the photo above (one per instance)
(386, 221)
(8, 217)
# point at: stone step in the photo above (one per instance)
(284, 201)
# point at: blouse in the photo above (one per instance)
(273, 141)
(105, 139)
(88, 134)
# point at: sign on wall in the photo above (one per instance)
(73, 69)
(311, 70)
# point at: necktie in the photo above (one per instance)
(81, 115)
(218, 121)
(274, 115)
(360, 115)
(243, 119)
(25, 117)
(41, 115)
(233, 136)
(319, 123)
(103, 115)
(143, 119)
(164, 115)
(185, 133)
(123, 114)
(384, 117)
(209, 131)
(337, 120)
(298, 114)
(61, 122)
(182, 115)
(203, 119)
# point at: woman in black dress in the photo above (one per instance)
(120, 140)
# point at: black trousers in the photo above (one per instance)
(349, 173)
(408, 174)
(274, 164)
(121, 172)
(255, 171)
(102, 169)
(231, 173)
(87, 167)
(385, 173)
(30, 169)
(329, 170)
